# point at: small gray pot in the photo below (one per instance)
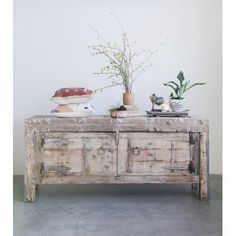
(177, 105)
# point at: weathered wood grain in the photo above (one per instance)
(195, 150)
(30, 166)
(152, 154)
(123, 179)
(203, 184)
(107, 124)
(77, 153)
(103, 150)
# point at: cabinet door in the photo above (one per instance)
(154, 154)
(65, 154)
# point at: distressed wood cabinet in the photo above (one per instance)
(104, 150)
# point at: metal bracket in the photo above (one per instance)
(42, 169)
(172, 156)
(117, 138)
(42, 140)
(191, 166)
(117, 142)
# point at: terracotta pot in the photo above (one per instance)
(128, 98)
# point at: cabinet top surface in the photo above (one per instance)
(107, 118)
(108, 124)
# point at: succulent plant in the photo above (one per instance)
(114, 107)
(117, 108)
(181, 88)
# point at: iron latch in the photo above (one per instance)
(191, 166)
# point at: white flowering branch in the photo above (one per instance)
(121, 69)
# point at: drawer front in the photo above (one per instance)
(66, 154)
(154, 153)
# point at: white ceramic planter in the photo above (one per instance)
(177, 105)
(118, 114)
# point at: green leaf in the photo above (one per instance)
(193, 85)
(173, 97)
(186, 84)
(172, 82)
(184, 87)
(180, 77)
(175, 89)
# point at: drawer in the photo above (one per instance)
(65, 154)
(154, 153)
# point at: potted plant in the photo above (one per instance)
(177, 101)
(118, 111)
(123, 65)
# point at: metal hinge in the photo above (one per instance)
(42, 168)
(191, 166)
(117, 142)
(172, 156)
(117, 138)
(42, 140)
(173, 166)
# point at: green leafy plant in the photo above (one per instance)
(117, 108)
(181, 87)
(114, 107)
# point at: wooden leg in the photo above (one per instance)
(30, 186)
(30, 192)
(203, 192)
(31, 172)
(203, 182)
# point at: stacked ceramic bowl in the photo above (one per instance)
(73, 102)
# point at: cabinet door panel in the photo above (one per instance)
(154, 153)
(78, 153)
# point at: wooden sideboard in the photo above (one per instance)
(103, 150)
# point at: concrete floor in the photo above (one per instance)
(124, 210)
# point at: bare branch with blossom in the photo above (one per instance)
(121, 68)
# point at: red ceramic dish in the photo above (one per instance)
(66, 92)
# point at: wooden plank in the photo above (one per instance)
(29, 177)
(71, 140)
(195, 150)
(203, 175)
(106, 124)
(124, 179)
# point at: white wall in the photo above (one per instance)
(51, 39)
